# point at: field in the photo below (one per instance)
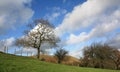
(12, 63)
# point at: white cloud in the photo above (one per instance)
(13, 13)
(7, 42)
(108, 24)
(76, 53)
(101, 16)
(77, 39)
(86, 14)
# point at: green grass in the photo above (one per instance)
(11, 63)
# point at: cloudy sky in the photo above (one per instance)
(78, 22)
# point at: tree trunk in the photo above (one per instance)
(5, 49)
(38, 49)
(31, 53)
(27, 53)
(102, 66)
(38, 55)
(59, 61)
(117, 66)
(21, 52)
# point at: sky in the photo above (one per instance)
(78, 23)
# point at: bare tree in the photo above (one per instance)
(100, 56)
(61, 54)
(39, 32)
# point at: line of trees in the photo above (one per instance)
(21, 52)
(101, 56)
(4, 46)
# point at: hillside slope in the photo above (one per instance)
(68, 60)
(11, 63)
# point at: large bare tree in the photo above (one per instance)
(39, 32)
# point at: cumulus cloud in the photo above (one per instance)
(100, 17)
(13, 13)
(107, 25)
(86, 14)
(77, 53)
(10, 41)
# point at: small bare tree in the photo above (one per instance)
(40, 31)
(61, 54)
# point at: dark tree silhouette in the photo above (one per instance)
(61, 54)
(97, 56)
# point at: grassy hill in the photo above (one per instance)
(11, 63)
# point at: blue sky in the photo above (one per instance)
(78, 22)
(41, 9)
